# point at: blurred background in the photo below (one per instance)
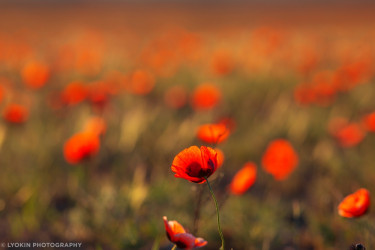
(136, 79)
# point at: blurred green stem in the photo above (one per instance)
(197, 210)
(174, 247)
(218, 216)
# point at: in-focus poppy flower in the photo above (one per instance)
(243, 179)
(195, 164)
(347, 134)
(175, 97)
(279, 159)
(35, 74)
(177, 235)
(369, 122)
(356, 204)
(15, 113)
(81, 146)
(206, 96)
(213, 133)
(141, 82)
(74, 93)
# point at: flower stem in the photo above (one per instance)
(197, 210)
(174, 247)
(218, 216)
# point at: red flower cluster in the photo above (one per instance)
(325, 85)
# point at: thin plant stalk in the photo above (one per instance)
(197, 210)
(218, 216)
(174, 247)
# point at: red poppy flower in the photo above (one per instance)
(356, 204)
(1, 92)
(194, 164)
(222, 63)
(206, 96)
(369, 122)
(35, 74)
(213, 133)
(177, 234)
(74, 93)
(98, 94)
(15, 113)
(347, 134)
(141, 82)
(175, 97)
(304, 94)
(243, 179)
(81, 146)
(279, 159)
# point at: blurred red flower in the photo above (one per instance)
(1, 92)
(74, 93)
(222, 63)
(177, 235)
(81, 146)
(98, 94)
(304, 94)
(213, 133)
(279, 159)
(206, 96)
(195, 164)
(15, 113)
(141, 82)
(35, 74)
(243, 179)
(347, 134)
(175, 97)
(369, 122)
(356, 204)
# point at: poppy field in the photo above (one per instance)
(127, 126)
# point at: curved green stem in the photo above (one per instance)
(218, 216)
